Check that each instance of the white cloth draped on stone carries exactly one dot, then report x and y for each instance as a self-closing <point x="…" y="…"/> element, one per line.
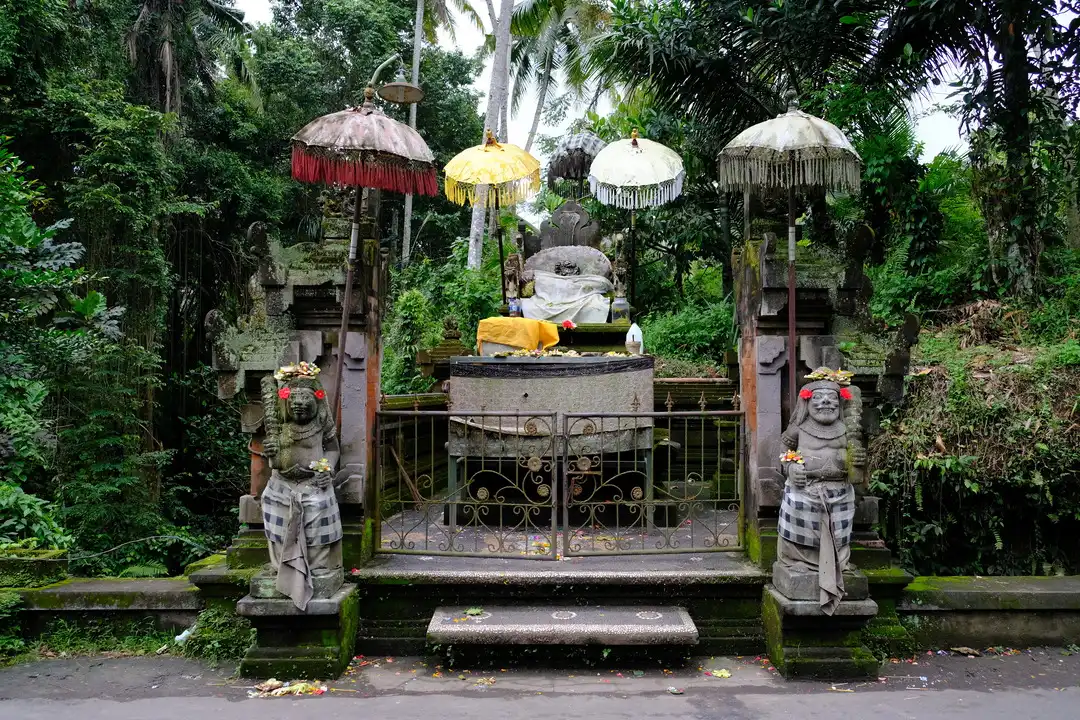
<point x="579" y="298"/>
<point x="294" y="570"/>
<point x="821" y="515"/>
<point x="297" y="517"/>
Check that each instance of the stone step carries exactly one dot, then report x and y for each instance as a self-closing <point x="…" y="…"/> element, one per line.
<point x="563" y="625"/>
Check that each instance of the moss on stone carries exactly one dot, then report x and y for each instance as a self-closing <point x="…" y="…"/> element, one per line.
<point x="760" y="545"/>
<point x="32" y="568"/>
<point x="96" y="598"/>
<point x="367" y="543"/>
<point x="816" y="652"/>
<point x="203" y="564"/>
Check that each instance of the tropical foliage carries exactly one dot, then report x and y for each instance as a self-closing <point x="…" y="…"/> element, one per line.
<point x="143" y="138"/>
<point x="146" y="137"/>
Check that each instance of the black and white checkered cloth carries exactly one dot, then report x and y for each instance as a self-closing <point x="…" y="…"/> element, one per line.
<point x="802" y="513"/>
<point x="322" y="518"/>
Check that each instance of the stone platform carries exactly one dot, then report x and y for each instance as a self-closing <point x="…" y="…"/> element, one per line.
<point x="805" y="642"/>
<point x="563" y="625"/>
<point x="720" y="592"/>
<point x="169" y="603"/>
<point x="313" y="644"/>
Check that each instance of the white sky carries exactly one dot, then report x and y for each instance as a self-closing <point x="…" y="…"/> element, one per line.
<point x="937" y="131"/>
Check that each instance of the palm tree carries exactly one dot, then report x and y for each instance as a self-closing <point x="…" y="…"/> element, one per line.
<point x="171" y="41"/>
<point x="430" y="16"/>
<point x="728" y="63"/>
<point x="497" y="98"/>
<point x="1005" y="50"/>
<point x="549" y="41"/>
<point x="552" y="40"/>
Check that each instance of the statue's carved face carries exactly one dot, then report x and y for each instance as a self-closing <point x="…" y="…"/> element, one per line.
<point x="825" y="406"/>
<point x="302" y="405"/>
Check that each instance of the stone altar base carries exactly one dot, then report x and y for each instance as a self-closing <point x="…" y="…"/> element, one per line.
<point x="315" y="644"/>
<point x="804" y="642"/>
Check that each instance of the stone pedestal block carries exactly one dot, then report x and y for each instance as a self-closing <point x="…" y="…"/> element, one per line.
<point x="314" y="644"/>
<point x="264" y="585"/>
<point x="796" y="585"/>
<point x="250" y="510"/>
<point x="248" y="549"/>
<point x="802" y="641"/>
<point x="867" y="513"/>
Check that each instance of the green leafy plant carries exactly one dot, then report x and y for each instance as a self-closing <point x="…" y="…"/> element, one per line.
<point x="11" y="642"/>
<point x="28" y="520"/>
<point x="979" y="464"/>
<point x="699" y="333"/>
<point x="135" y="637"/>
<point x="220" y="636"/>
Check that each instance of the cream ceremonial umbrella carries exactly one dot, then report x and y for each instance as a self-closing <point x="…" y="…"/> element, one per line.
<point x="635" y="174"/>
<point x="510" y="173"/>
<point x="793" y="150"/>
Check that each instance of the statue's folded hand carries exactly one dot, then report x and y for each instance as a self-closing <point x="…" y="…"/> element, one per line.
<point x="797" y="475"/>
<point x="322" y="480"/>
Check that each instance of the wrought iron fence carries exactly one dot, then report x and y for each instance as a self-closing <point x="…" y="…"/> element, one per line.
<point x="540" y="486"/>
<point x="472" y="483"/>
<point x="660" y="482"/>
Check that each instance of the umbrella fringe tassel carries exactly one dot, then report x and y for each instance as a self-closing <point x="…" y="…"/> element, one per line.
<point x="637" y="197"/>
<point x="377" y="173"/>
<point x="509" y="193"/>
<point x="838" y="171"/>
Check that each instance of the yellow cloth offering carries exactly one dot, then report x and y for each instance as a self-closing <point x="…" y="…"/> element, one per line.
<point x="518" y="332"/>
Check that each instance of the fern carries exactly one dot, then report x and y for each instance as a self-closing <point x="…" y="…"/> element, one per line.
<point x="147" y="570"/>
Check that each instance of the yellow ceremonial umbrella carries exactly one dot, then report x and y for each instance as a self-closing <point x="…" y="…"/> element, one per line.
<point x="510" y="173"/>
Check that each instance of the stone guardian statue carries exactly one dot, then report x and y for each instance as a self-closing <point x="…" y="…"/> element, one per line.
<point x="299" y="505"/>
<point x="824" y="462"/>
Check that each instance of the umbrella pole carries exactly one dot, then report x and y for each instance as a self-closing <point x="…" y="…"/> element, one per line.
<point x="502" y="255"/>
<point x="631" y="260"/>
<point x="345" y="308"/>
<point x="792" y="391"/>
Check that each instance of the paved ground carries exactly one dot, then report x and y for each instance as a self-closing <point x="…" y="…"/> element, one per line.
<point x="1032" y="684"/>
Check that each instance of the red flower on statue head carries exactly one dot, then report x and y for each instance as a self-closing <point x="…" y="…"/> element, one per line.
<point x="806" y="393"/>
<point x="320" y="394"/>
<point x="845" y="393"/>
<point x="284" y="393"/>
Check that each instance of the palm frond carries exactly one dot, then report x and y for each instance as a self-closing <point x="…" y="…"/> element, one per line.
<point x="228" y="19"/>
<point x="131" y="39"/>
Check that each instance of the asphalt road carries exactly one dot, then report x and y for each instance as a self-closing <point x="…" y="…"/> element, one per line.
<point x="1032" y="684"/>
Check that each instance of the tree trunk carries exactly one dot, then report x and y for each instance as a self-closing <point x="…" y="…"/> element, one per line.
<point x="545" y="83"/>
<point x="418" y="43"/>
<point x="497" y="92"/>
<point x="1019" y="198"/>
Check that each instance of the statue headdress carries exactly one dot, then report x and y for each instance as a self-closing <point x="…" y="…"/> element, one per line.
<point x="278" y="388"/>
<point x="821" y="379"/>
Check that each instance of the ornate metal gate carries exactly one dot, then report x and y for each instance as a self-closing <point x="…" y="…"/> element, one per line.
<point x="541" y="487"/>
<point x="660" y="482"/>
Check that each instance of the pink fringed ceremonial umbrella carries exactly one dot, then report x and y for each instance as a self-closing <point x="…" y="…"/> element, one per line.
<point x="363" y="148"/>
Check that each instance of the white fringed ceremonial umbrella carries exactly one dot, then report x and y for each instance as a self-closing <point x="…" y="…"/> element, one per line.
<point x="793" y="150"/>
<point x="635" y="174"/>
